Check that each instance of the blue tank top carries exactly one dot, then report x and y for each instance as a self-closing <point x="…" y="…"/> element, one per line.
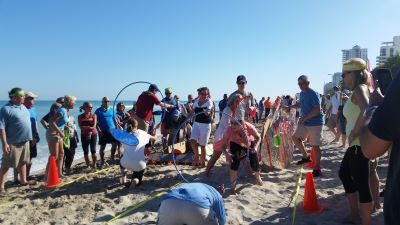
<point x="64" y="118"/>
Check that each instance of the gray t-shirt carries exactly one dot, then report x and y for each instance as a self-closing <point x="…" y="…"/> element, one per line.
<point x="240" y="113"/>
<point x="15" y="120"/>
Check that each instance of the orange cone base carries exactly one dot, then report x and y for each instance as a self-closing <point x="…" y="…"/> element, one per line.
<point x="52" y="186"/>
<point x="319" y="210"/>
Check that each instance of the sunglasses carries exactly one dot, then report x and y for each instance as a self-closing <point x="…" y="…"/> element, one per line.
<point x="107" y="101"/>
<point x="300" y="84"/>
<point x="167" y="93"/>
<point x="344" y="74"/>
<point x="241" y="83"/>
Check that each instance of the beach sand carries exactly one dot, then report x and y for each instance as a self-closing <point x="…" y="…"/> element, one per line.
<point x="96" y="198"/>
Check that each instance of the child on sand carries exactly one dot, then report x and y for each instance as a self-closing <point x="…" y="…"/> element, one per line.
<point x="222" y="127"/>
<point x="235" y="139"/>
<point x="133" y="157"/>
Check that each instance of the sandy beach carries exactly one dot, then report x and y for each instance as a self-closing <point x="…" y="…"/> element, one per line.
<point x="89" y="197"/>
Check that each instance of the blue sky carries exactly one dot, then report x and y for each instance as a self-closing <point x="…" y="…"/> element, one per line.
<point x="93" y="48"/>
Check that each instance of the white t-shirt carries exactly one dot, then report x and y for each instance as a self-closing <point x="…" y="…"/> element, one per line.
<point x="335" y="104"/>
<point x="223" y="124"/>
<point x="133" y="157"/>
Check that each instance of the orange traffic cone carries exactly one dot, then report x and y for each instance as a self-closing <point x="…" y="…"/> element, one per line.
<point x="312" y="157"/>
<point x="52" y="179"/>
<point x="310" y="203"/>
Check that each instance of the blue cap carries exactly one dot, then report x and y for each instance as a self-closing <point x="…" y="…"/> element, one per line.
<point x="153" y="87"/>
<point x="241" y="78"/>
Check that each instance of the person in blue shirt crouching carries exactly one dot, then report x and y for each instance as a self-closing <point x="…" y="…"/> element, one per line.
<point x="192" y="204"/>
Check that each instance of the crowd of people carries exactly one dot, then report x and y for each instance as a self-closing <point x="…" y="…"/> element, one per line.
<point x="348" y="111"/>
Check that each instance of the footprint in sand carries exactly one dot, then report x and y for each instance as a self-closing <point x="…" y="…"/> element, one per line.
<point x="243" y="201"/>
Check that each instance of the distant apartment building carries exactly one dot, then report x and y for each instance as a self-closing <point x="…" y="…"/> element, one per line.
<point x="336" y="78"/>
<point x="355" y="52"/>
<point x="388" y="49"/>
<point x="328" y="87"/>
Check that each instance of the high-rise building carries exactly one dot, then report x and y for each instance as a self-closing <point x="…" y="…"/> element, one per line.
<point x="328" y="87"/>
<point x="355" y="52"/>
<point x="336" y="78"/>
<point x="388" y="49"/>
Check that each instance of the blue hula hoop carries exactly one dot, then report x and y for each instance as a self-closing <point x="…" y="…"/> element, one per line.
<point x="189" y="119"/>
<point x="123" y="136"/>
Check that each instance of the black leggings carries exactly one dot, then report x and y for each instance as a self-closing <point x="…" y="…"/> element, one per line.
<point x="354" y="174"/>
<point x="238" y="153"/>
<point x="86" y="143"/>
<point x="136" y="174"/>
<point x="69" y="154"/>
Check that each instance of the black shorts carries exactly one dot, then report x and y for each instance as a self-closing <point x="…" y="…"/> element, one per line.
<point x="106" y="138"/>
<point x="33" y="151"/>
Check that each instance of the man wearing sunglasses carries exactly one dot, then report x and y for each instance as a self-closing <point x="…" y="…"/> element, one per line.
<point x="310" y="123"/>
<point x="243" y="108"/>
<point x="105" y="121"/>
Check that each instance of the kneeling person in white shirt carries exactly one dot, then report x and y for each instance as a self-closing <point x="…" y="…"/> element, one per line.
<point x="133" y="157"/>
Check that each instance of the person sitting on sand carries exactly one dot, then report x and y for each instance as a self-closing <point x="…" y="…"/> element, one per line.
<point x="88" y="122"/>
<point x="222" y="126"/>
<point x="133" y="157"/>
<point x="194" y="204"/>
<point x="234" y="139"/>
<point x="354" y="169"/>
<point x="201" y="129"/>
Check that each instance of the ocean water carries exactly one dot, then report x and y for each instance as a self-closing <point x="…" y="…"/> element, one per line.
<point x="42" y="108"/>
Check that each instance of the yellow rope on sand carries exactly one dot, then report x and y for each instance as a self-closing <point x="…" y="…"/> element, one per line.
<point x="297" y="195"/>
<point x="141" y="203"/>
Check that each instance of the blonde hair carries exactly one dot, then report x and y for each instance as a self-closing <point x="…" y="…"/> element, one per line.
<point x="233" y="99"/>
<point x="68" y="99"/>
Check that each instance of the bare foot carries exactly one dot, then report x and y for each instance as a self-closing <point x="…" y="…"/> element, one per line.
<point x="234" y="192"/>
<point x="377" y="206"/>
<point x="123" y="180"/>
<point x="134" y="183"/>
<point x="259" y="181"/>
